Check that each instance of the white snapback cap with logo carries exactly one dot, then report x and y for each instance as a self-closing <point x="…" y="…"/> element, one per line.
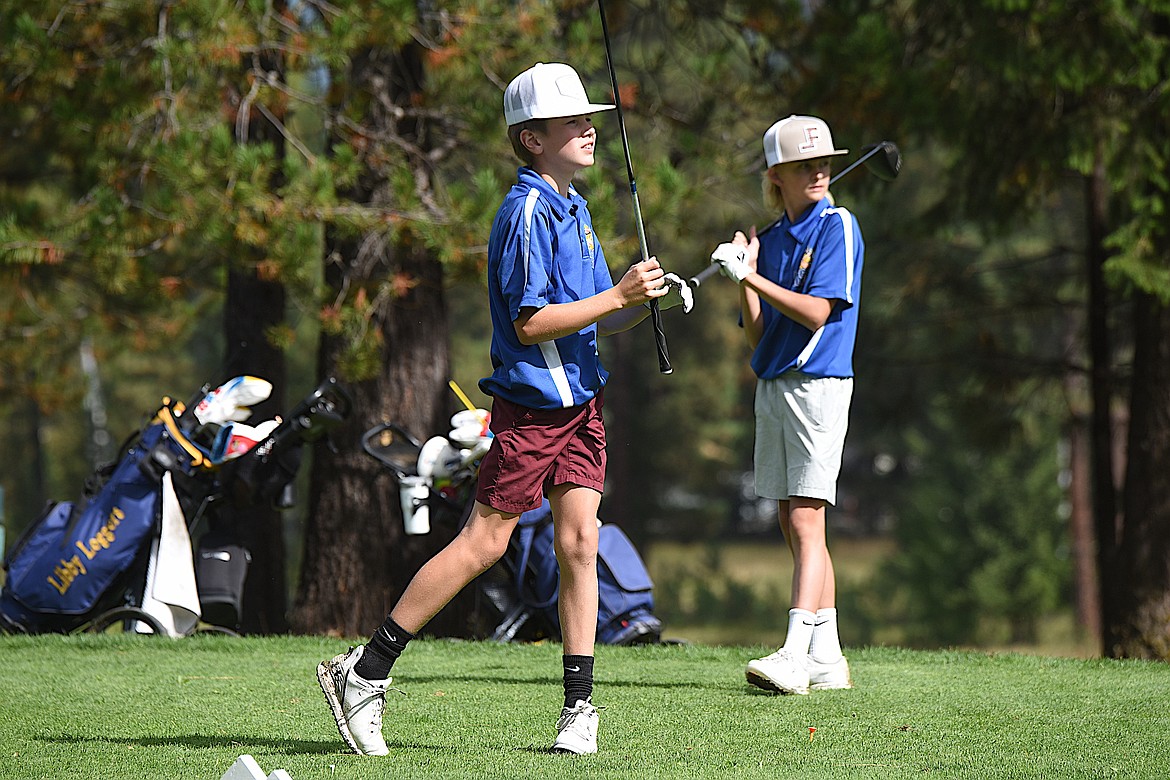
<point x="547" y="91"/>
<point x="798" y="138"/>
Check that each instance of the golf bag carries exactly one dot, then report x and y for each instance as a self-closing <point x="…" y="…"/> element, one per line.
<point x="625" y="601"/>
<point x="437" y="479"/>
<point x="123" y="552"/>
<point x="81" y="560"/>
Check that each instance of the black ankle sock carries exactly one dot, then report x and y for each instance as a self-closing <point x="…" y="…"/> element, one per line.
<point x="578" y="678"/>
<point x="382" y="651"/>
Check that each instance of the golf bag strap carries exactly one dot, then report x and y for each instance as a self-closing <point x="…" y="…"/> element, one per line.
<point x="167" y="418"/>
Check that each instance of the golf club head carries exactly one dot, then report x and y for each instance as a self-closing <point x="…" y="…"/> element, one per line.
<point x="886" y="160"/>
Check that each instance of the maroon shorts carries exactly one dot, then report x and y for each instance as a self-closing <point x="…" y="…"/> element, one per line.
<point x="536" y="449"/>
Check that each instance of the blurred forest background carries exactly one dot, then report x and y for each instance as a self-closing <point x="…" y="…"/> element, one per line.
<point x="192" y="190"/>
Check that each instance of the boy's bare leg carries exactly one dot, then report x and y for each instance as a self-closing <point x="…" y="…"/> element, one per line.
<point x="481" y="543"/>
<point x="812" y="570"/>
<point x="575" y="528"/>
<point x="575" y="539"/>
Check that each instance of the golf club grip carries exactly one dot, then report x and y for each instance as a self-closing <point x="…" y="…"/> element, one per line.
<point x="660" y="338"/>
<point x="704" y="275"/>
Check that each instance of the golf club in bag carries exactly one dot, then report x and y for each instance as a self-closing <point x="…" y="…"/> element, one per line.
<point x="883" y="160"/>
<point x="436" y="482"/>
<point x="122" y="552"/>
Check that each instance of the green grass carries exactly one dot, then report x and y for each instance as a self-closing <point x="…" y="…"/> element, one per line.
<point x="113" y="706"/>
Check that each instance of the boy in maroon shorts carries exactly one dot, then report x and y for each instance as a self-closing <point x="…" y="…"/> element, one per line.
<point x="551" y="296"/>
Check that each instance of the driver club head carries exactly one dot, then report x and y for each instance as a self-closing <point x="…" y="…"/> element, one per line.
<point x="886" y="160"/>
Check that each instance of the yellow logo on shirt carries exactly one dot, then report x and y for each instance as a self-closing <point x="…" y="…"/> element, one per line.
<point x="589" y="241"/>
<point x="802" y="271"/>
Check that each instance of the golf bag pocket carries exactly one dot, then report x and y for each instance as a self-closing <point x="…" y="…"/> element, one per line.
<point x="624" y="592"/>
<point x="221" y="568"/>
<point x="538" y="577"/>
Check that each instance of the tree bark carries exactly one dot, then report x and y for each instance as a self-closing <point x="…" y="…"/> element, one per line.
<point x="358" y="558"/>
<point x="1106" y="521"/>
<point x="1139" y="623"/>
<point x="253" y="306"/>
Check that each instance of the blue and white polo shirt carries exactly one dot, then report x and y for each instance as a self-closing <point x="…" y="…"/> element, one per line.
<point x="543" y="250"/>
<point x="822" y="255"/>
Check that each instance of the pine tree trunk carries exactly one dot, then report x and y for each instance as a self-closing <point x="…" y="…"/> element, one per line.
<point x="1106" y="521"/>
<point x="357" y="556"/>
<point x="251" y="308"/>
<point x="1139" y="624"/>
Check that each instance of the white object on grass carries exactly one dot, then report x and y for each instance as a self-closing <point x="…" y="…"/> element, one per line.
<point x="246" y="768"/>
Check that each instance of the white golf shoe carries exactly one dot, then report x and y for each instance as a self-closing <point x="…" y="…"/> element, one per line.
<point x="357" y="703"/>
<point x="783" y="671"/>
<point x="831" y="676"/>
<point x="577" y="729"/>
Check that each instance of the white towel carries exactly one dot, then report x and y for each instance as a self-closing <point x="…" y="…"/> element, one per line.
<point x="171" y="596"/>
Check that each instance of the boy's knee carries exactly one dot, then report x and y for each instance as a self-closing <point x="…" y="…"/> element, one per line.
<point x="577" y="547"/>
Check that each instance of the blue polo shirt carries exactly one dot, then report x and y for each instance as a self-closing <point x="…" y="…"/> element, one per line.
<point x="820" y="254"/>
<point x="543" y="250"/>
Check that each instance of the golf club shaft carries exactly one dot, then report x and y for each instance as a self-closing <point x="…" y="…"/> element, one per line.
<point x="711" y="270"/>
<point x="655" y="315"/>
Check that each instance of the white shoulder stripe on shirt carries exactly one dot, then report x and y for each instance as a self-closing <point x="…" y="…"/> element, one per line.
<point x="548" y="349"/>
<point x="850" y="250"/>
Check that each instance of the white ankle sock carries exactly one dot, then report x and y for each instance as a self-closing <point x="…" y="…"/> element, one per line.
<point x="825" y="645"/>
<point x="800" y="630"/>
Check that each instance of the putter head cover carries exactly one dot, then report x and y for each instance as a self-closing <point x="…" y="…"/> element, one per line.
<point x="547" y="91"/>
<point x="438" y="459"/>
<point x="236" y="438"/>
<point x="680" y="294"/>
<point x="732" y="260"/>
<point x="230" y="401"/>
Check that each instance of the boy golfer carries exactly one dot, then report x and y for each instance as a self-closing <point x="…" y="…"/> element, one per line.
<point x="551" y="296"/>
<point x="800" y="290"/>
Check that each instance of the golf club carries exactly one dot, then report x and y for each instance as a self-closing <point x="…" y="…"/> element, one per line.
<point x="655" y="315"/>
<point x="882" y="159"/>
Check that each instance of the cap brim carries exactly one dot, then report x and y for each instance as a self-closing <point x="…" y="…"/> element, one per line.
<point x="579" y="110"/>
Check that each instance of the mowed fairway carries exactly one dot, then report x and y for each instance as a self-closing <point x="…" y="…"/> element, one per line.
<point x="116" y="707"/>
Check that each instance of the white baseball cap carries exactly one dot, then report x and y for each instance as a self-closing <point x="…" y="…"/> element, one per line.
<point x="798" y="138"/>
<point x="547" y="91"/>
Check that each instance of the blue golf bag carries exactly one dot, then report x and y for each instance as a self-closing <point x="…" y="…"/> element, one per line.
<point x="87" y="564"/>
<point x="87" y="559"/>
<point x="625" y="600"/>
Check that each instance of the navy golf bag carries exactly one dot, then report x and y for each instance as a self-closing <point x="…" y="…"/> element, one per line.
<point x="123" y="550"/>
<point x="522" y="588"/>
<point x="625" y="600"/>
<point x="85" y="560"/>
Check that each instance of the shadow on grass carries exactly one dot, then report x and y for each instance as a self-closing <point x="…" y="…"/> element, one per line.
<point x="432" y="679"/>
<point x="203" y="742"/>
<point x="291" y="747"/>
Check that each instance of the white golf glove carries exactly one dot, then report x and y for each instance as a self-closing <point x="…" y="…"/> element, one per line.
<point x="732" y="259"/>
<point x="680" y="294"/>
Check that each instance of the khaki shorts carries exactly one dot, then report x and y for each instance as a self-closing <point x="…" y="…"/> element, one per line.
<point x="800" y="433"/>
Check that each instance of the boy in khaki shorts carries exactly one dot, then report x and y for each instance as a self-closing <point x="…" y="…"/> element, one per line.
<point x="551" y="295"/>
<point x="800" y="291"/>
